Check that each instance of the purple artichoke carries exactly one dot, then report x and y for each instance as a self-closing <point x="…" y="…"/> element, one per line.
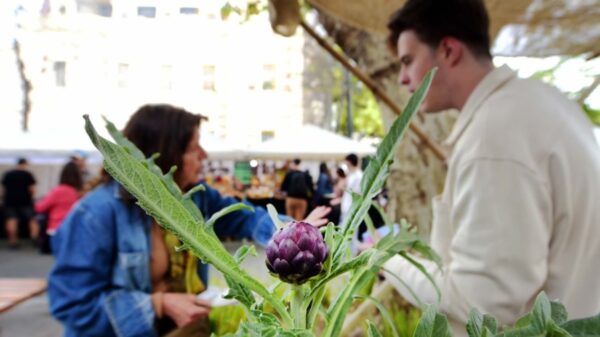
<point x="296" y="253"/>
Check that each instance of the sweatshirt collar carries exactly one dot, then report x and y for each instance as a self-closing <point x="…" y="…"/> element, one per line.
<point x="490" y="83"/>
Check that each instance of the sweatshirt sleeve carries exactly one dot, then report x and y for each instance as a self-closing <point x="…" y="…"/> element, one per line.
<point x="501" y="217"/>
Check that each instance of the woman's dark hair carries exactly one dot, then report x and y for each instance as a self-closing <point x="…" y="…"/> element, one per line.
<point x="432" y="20"/>
<point x="164" y="129"/>
<point x="324" y="169"/>
<point x="340" y="172"/>
<point x="71" y="175"/>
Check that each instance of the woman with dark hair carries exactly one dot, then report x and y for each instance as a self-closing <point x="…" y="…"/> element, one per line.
<point x="117" y="272"/>
<point x="324" y="185"/>
<point x="59" y="201"/>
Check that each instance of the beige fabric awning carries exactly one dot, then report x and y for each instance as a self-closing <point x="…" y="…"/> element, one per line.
<point x="520" y="27"/>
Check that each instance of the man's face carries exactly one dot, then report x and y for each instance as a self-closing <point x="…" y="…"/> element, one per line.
<point x="416" y="59"/>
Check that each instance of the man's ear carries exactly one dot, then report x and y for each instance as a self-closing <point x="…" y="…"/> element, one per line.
<point x="451" y="51"/>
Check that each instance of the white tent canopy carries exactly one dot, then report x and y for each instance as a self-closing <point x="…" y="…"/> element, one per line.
<point x="306" y="142"/>
<point x="309" y="142"/>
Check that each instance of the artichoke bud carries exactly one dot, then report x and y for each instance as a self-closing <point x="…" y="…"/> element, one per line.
<point x="296" y="253"/>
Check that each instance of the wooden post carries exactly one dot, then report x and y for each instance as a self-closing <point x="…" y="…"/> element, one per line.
<point x="437" y="150"/>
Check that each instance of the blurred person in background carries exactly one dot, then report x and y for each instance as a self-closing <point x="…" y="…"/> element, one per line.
<point x="338" y="191"/>
<point x="19" y="190"/>
<point x="79" y="158"/>
<point x="353" y="179"/>
<point x="116" y="271"/>
<point x="324" y="185"/>
<point x="58" y="202"/>
<point x="298" y="190"/>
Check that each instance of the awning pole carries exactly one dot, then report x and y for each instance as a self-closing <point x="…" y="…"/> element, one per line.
<point x="437" y="150"/>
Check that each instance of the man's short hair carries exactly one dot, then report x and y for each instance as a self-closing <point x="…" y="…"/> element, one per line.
<point x="352" y="159"/>
<point x="297" y="161"/>
<point x="21" y="161"/>
<point x="433" y="20"/>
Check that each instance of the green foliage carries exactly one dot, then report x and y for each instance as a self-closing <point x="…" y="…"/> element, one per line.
<point x="294" y="313"/>
<point x="372" y="330"/>
<point x="366" y="114"/>
<point x="545" y="319"/>
<point x="549" y="75"/>
<point x="432" y="324"/>
<point x="253" y="7"/>
<point x="593" y="114"/>
<point x="155" y="194"/>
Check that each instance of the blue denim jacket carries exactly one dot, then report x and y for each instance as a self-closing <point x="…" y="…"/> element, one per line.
<point x="100" y="283"/>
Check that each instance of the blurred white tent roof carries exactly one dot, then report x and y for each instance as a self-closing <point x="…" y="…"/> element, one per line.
<point x="309" y="142"/>
<point x="306" y="142"/>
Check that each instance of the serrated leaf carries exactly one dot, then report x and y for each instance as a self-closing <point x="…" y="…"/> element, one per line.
<point x="432" y="324"/>
<point x="490" y="324"/>
<point x="169" y="211"/>
<point x="541" y="314"/>
<point x="559" y="312"/>
<point x="475" y="323"/>
<point x="378" y="169"/>
<point x="586" y="327"/>
<point x="239" y="292"/>
<point x="118" y="137"/>
<point x="480" y="325"/>
<point x="265" y="318"/>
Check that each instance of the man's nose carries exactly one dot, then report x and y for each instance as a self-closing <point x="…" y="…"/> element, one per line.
<point x="403" y="78"/>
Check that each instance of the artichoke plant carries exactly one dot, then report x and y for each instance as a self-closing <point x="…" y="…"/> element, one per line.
<point x="296" y="253"/>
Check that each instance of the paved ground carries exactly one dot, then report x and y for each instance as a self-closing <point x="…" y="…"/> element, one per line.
<point x="31" y="318"/>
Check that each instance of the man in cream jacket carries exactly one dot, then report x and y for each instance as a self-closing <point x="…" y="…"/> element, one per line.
<point x="520" y="211"/>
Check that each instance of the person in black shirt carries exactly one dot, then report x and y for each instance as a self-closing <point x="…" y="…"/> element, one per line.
<point x="298" y="188"/>
<point x="19" y="189"/>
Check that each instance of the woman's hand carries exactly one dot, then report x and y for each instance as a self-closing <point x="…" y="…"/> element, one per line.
<point x="318" y="216"/>
<point x="184" y="309"/>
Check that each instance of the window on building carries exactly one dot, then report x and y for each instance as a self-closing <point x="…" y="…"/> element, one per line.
<point x="269" y="75"/>
<point x="123" y="75"/>
<point x="146" y="11"/>
<point x="267" y="135"/>
<point x="188" y="11"/>
<point x="104" y="10"/>
<point x="208" y="77"/>
<point x="60" y="70"/>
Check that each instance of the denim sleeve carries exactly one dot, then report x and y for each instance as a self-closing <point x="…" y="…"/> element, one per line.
<point x="256" y="226"/>
<point x="80" y="290"/>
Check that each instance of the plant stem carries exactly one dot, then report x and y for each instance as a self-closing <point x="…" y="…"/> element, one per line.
<point x="298" y="308"/>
